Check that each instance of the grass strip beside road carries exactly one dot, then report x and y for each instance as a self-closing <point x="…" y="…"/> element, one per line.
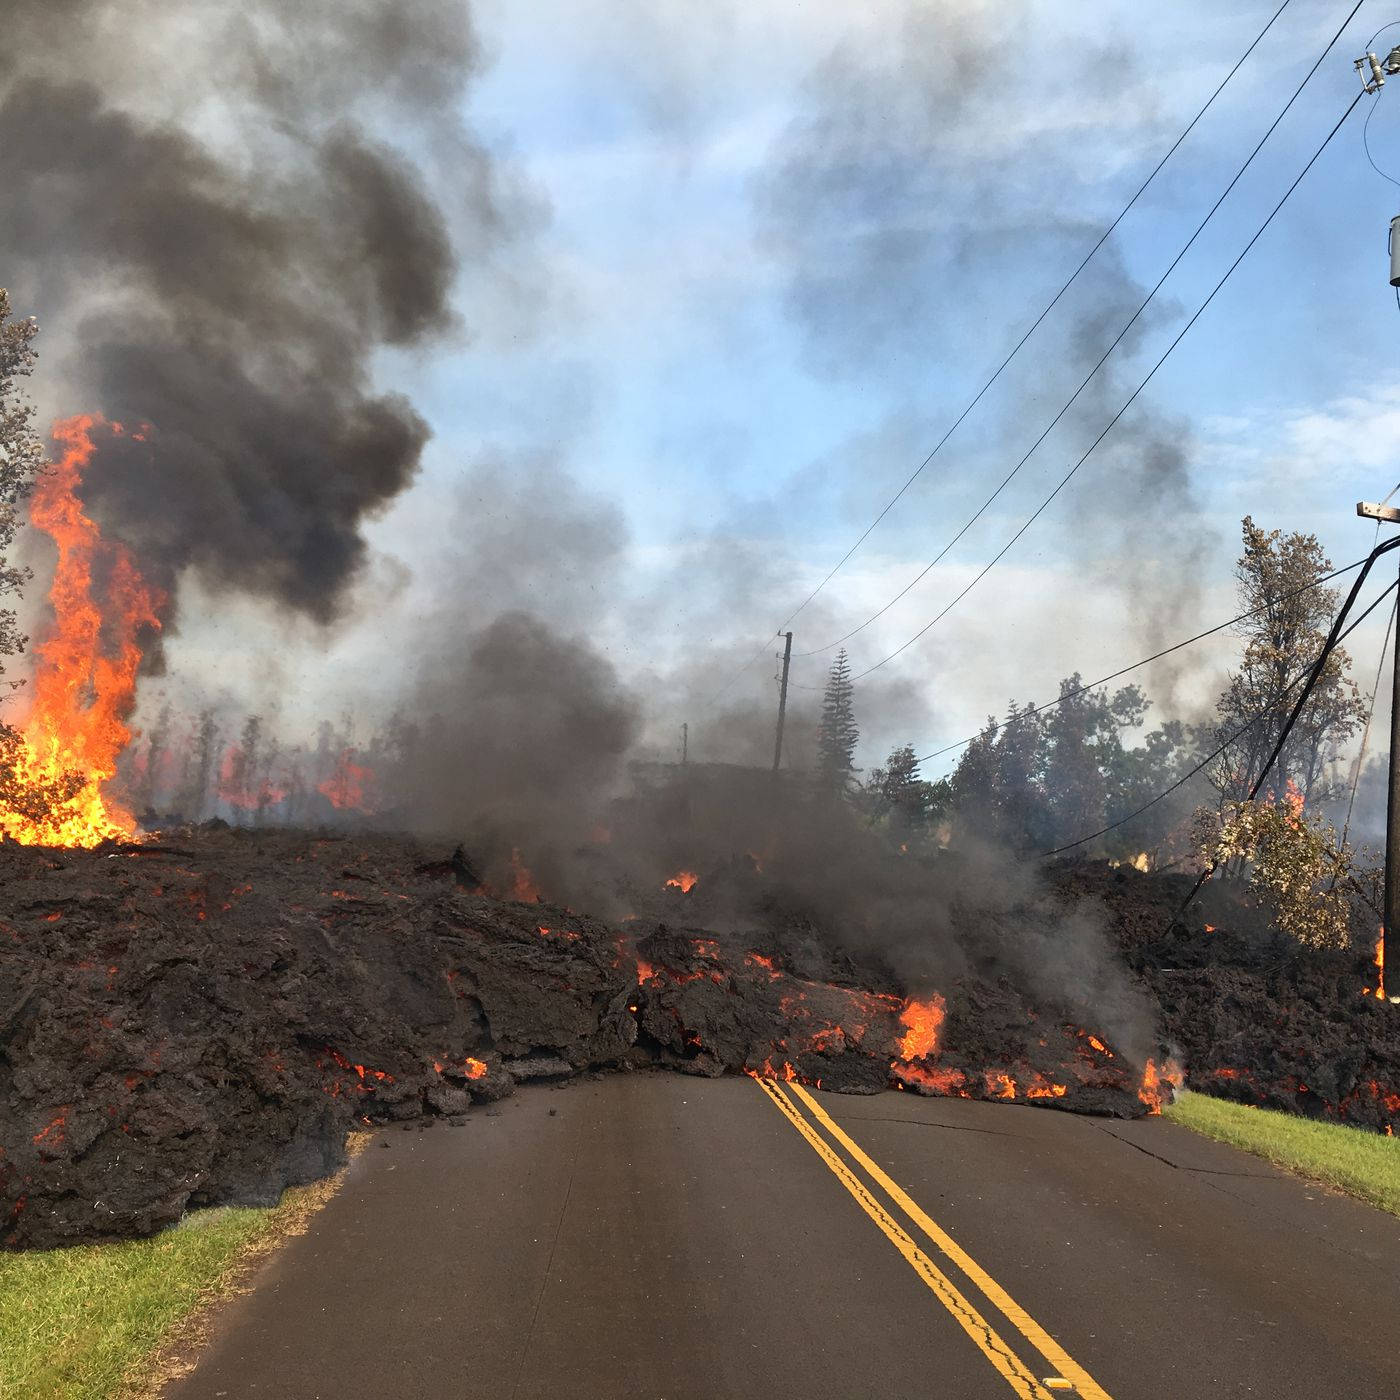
<point x="1360" y="1163"/>
<point x="113" y="1321"/>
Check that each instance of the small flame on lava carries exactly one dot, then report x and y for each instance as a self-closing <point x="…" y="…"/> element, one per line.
<point x="1159" y="1085"/>
<point x="85" y="677"/>
<point x="522" y="883"/>
<point x="1380" y="968"/>
<point x="683" y="880"/>
<point x="923" y="1020"/>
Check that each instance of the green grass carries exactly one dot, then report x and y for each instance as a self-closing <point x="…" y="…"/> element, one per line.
<point x="97" y="1321"/>
<point x="1361" y="1163"/>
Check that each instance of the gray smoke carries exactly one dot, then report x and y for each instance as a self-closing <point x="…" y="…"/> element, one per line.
<point x="197" y="201"/>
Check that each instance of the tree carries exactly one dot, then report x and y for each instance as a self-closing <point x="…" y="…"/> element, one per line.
<point x="838" y="732"/>
<point x="1283" y="637"/>
<point x="1299" y="867"/>
<point x="899" y="794"/>
<point x="997" y="789"/>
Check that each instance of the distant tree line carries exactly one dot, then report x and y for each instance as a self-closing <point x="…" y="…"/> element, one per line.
<point x="1039" y="778"/>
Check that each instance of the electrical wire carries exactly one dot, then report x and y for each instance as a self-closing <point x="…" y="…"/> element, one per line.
<point x="1117" y="340"/>
<point x="1214" y="754"/>
<point x="1366" y="141"/>
<point x="1147" y="660"/>
<point x="1015" y="350"/>
<point x="1065" y="480"/>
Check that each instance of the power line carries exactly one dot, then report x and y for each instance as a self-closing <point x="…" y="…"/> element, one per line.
<point x="1211" y="757"/>
<point x="1117" y="340"/>
<point x="1064" y="481"/>
<point x="1147" y="660"/>
<point x="1015" y="350"/>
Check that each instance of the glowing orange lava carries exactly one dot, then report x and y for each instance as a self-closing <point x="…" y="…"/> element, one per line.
<point x="84" y="682"/>
<point x="923" y="1021"/>
<point x="683" y="880"/>
<point x="938" y="1081"/>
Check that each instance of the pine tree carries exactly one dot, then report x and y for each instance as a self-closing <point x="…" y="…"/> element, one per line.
<point x="838" y="733"/>
<point x="899" y="793"/>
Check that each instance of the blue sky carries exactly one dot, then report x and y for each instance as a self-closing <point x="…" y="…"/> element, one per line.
<point x="773" y="248"/>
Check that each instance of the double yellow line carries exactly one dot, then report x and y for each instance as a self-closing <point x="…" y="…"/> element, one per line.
<point x="1069" y="1379"/>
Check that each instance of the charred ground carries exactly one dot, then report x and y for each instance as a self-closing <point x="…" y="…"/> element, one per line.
<point x="201" y="1019"/>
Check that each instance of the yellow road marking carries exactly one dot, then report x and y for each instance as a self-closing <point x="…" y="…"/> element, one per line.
<point x="1013" y="1370"/>
<point x="1039" y="1338"/>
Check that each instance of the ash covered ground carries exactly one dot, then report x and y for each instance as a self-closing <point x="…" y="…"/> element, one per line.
<point x="202" y="1019"/>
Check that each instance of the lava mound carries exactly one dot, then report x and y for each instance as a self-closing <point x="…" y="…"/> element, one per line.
<point x="202" y="1020"/>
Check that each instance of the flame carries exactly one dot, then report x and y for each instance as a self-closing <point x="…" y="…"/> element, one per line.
<point x="522" y="883"/>
<point x="787" y="1073"/>
<point x="923" y="1021"/>
<point x="683" y="880"/>
<point x="476" y="1069"/>
<point x="345" y="788"/>
<point x="1379" y="993"/>
<point x="999" y="1084"/>
<point x="1159" y="1085"/>
<point x="85" y="675"/>
<point x="236" y="784"/>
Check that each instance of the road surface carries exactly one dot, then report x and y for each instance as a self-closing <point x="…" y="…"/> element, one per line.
<point x="682" y="1239"/>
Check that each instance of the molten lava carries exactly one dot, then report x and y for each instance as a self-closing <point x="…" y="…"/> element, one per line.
<point x="84" y="683"/>
<point x="922" y="1021"/>
<point x="683" y="880"/>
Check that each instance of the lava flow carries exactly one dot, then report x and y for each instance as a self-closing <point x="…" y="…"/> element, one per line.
<point x="84" y="682"/>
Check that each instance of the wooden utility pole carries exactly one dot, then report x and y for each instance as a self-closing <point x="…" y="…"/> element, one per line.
<point x="782" y="704"/>
<point x="685" y="743"/>
<point x="1392" y="806"/>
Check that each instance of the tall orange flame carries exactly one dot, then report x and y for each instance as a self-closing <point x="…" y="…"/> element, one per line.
<point x="84" y="682"/>
<point x="923" y="1020"/>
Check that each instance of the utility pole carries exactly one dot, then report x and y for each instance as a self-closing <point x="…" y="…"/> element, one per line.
<point x="685" y="743"/>
<point x="782" y="704"/>
<point x="1391" y="918"/>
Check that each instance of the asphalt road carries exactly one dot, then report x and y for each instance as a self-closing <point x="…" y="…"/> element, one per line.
<point x="683" y="1239"/>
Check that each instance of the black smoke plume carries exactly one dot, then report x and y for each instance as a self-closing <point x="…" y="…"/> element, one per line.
<point x="226" y="265"/>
